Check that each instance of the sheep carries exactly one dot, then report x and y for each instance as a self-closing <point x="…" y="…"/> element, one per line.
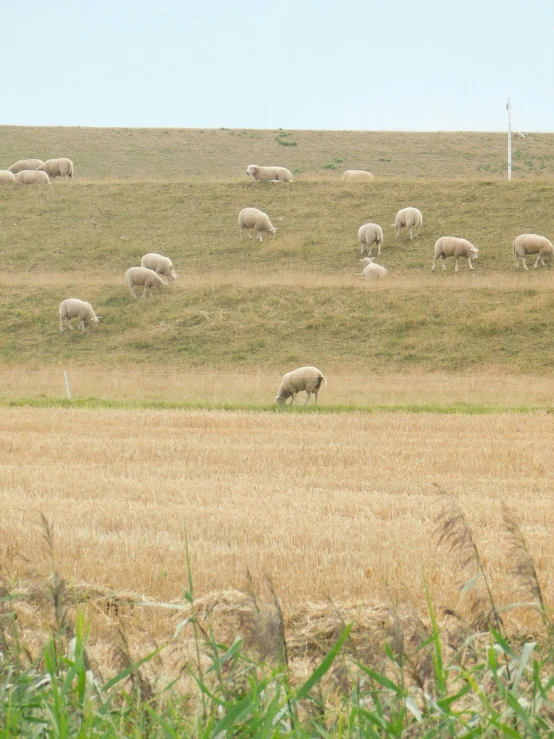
<point x="356" y="175"/>
<point x="75" y="308"/>
<point x="31" y="177"/>
<point x="6" y="176"/>
<point x="411" y="218"/>
<point x="450" y="246"/>
<point x="25" y="164"/>
<point x="143" y="276"/>
<point x="161" y="265"/>
<point x="532" y="244"/>
<point x="308" y="379"/>
<point x="372" y="271"/>
<point x="269" y="174"/>
<point x="369" y="234"/>
<point x="256" y="220"/>
<point x="57" y="167"/>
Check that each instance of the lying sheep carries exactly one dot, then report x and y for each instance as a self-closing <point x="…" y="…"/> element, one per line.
<point x="25" y="164"/>
<point x="308" y="379"/>
<point x="450" y="246"/>
<point x="143" y="276"/>
<point x="161" y="265"/>
<point x="32" y="177"/>
<point x="371" y="270"/>
<point x="356" y="175"/>
<point x="269" y="174"/>
<point x="75" y="308"/>
<point x="369" y="234"/>
<point x="6" y="176"/>
<point x="57" y="167"/>
<point x="410" y="218"/>
<point x="252" y="219"/>
<point x="532" y="244"/>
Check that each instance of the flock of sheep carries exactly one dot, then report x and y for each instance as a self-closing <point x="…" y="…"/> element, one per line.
<point x="36" y="172"/>
<point x="155" y="267"/>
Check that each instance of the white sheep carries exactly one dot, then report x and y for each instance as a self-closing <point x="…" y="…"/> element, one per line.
<point x="371" y="270"/>
<point x="356" y="175"/>
<point x="269" y="174"/>
<point x="411" y="218"/>
<point x="451" y="246"/>
<point x="161" y="265"/>
<point x="252" y="219"/>
<point x="75" y="308"/>
<point x="6" y="176"/>
<point x="307" y="379"/>
<point x="369" y="234"/>
<point x="532" y="244"/>
<point x="32" y="177"/>
<point x="143" y="276"/>
<point x="57" y="167"/>
<point x="22" y="164"/>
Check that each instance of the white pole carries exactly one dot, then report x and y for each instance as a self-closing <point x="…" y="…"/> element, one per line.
<point x="509" y="109"/>
<point x="66" y="380"/>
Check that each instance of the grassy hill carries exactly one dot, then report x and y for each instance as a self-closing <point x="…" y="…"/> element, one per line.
<point x="292" y="300"/>
<point x="187" y="154"/>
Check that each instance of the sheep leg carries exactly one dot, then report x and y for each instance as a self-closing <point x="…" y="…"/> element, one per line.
<point x="144" y="292"/>
<point x="61" y="324"/>
<point x="293" y="399"/>
<point x="81" y="325"/>
<point x="443" y="260"/>
<point x="69" y="324"/>
<point x="315" y="395"/>
<point x="308" y="394"/>
<point x="259" y="235"/>
<point x="378" y="249"/>
<point x="470" y="262"/>
<point x="537" y="261"/>
<point x="411" y="234"/>
<point x="523" y="259"/>
<point x="133" y="293"/>
<point x="434" y="264"/>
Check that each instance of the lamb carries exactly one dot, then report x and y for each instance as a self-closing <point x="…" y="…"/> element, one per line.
<point x="6" y="176"/>
<point x="25" y="164"/>
<point x="143" y="276"/>
<point x="75" y="308"/>
<point x="411" y="218"/>
<point x="32" y="177"/>
<point x="356" y="175"/>
<point x="371" y="270"/>
<point x="450" y="246"/>
<point x="308" y="379"/>
<point x="269" y="174"/>
<point x="532" y="244"/>
<point x="57" y="167"/>
<point x="161" y="265"/>
<point x="256" y="220"/>
<point x="370" y="234"/>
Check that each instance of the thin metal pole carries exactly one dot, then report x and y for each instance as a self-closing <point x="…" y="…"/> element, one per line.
<point x="509" y="109"/>
<point x="66" y="380"/>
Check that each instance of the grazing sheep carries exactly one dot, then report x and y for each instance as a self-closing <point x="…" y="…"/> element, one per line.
<point x="269" y="174"/>
<point x="450" y="246"/>
<point x="74" y="308"/>
<point x="308" y="379"/>
<point x="32" y="177"/>
<point x="25" y="164"/>
<point x="256" y="220"/>
<point x="57" y="167"/>
<point x="532" y="244"/>
<point x="372" y="271"/>
<point x="410" y="218"/>
<point x="356" y="175"/>
<point x="369" y="234"/>
<point x="6" y="176"/>
<point x="161" y="265"/>
<point x="143" y="276"/>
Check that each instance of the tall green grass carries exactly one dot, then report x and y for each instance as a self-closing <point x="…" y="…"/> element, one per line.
<point x="454" y="674"/>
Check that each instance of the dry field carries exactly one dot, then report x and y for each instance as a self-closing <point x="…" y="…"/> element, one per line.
<point x="328" y="505"/>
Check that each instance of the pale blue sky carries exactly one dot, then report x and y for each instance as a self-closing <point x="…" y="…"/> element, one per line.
<point x="350" y="64"/>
